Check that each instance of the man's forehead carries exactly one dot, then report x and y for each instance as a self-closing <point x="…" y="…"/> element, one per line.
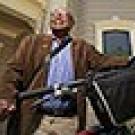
<point x="59" y="11"/>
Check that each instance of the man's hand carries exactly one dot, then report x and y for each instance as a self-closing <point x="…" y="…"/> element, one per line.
<point x="5" y="108"/>
<point x="131" y="60"/>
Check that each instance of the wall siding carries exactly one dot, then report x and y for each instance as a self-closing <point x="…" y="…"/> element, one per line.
<point x="90" y="11"/>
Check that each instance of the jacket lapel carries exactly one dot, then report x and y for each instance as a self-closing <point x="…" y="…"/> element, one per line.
<point x="75" y="55"/>
<point x="46" y="49"/>
<point x="79" y="58"/>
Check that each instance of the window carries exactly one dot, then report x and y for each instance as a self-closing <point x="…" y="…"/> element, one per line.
<point x="115" y="37"/>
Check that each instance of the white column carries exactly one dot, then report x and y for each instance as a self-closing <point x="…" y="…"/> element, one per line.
<point x="58" y="3"/>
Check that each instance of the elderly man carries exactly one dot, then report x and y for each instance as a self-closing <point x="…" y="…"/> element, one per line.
<point x="73" y="62"/>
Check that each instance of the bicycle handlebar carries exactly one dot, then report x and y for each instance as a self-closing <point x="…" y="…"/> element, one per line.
<point x="63" y="88"/>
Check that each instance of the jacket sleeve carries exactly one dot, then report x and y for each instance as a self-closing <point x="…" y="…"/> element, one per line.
<point x="98" y="61"/>
<point x="14" y="75"/>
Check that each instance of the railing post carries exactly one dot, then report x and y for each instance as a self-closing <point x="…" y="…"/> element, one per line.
<point x="81" y="108"/>
<point x="18" y="115"/>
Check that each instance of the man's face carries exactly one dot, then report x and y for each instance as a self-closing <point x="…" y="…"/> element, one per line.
<point x="59" y="19"/>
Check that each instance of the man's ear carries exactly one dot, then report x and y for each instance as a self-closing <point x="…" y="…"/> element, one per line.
<point x="71" y="20"/>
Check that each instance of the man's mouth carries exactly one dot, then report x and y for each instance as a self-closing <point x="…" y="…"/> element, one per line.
<point x="59" y="22"/>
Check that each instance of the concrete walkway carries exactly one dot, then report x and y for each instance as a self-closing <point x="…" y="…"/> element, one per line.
<point x="64" y="126"/>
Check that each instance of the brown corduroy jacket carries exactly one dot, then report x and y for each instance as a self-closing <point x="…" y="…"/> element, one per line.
<point x="32" y="50"/>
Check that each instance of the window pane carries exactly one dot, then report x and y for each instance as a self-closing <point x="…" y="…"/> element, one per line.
<point x="116" y="43"/>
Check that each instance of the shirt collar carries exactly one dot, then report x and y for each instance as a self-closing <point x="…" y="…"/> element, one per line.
<point x="55" y="38"/>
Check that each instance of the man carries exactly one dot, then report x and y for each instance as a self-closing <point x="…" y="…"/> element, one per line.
<point x="81" y="57"/>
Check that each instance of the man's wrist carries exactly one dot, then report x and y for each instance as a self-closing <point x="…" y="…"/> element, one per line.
<point x="130" y="58"/>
